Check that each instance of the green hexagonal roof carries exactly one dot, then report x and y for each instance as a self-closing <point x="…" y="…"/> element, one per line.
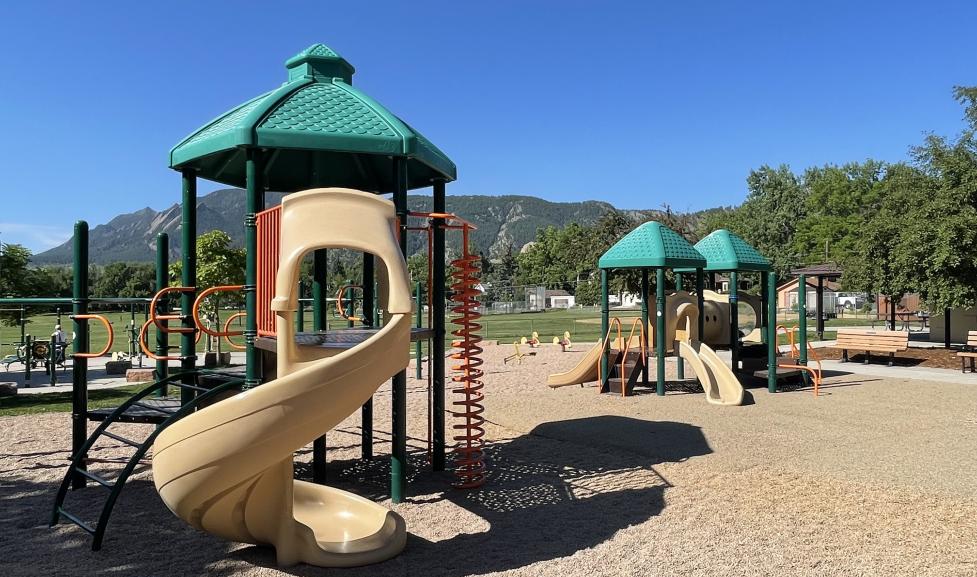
<point x="318" y="130"/>
<point x="652" y="245"/>
<point x="725" y="251"/>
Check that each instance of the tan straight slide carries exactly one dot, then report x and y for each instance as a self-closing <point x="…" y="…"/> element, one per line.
<point x="718" y="380"/>
<point x="585" y="370"/>
<point x="227" y="469"/>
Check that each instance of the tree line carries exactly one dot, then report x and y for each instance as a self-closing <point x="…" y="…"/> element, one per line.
<point x="894" y="228"/>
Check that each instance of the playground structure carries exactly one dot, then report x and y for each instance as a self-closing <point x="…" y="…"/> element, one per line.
<point x="278" y="142"/>
<point x="685" y="322"/>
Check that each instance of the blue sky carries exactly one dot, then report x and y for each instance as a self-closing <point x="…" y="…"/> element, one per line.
<point x="635" y="103"/>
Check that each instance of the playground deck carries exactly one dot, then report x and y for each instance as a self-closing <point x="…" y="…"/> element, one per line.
<point x="875" y="477"/>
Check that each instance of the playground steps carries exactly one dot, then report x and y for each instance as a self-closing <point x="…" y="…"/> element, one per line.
<point x="137" y="409"/>
<point x="632" y="372"/>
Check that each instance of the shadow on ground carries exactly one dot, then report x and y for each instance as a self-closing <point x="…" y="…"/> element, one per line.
<point x="552" y="492"/>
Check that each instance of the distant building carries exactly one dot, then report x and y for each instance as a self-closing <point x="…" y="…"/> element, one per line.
<point x="787" y="293"/>
<point x="559" y="299"/>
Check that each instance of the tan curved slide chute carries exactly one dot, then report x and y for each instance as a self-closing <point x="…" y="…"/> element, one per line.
<point x="718" y="381"/>
<point x="227" y="469"/>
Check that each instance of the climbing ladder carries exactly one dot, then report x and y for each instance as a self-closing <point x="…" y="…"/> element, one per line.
<point x="162" y="412"/>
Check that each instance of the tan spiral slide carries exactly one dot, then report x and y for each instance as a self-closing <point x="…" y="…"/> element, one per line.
<point x="227" y="469"/>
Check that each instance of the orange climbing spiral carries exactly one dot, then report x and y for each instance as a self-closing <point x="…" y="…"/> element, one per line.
<point x="469" y="429"/>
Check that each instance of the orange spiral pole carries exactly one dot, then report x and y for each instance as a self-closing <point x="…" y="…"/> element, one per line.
<point x="469" y="431"/>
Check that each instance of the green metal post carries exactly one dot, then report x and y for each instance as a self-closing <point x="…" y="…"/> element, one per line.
<point x="771" y="327"/>
<point x="660" y="330"/>
<point x="188" y="347"/>
<point x="764" y="297"/>
<point x="254" y="203"/>
<point x="369" y="319"/>
<point x="350" y="307"/>
<point x="734" y="321"/>
<point x="162" y="280"/>
<point x="420" y="324"/>
<point x="23" y="323"/>
<point x="644" y="324"/>
<point x="437" y="322"/>
<point x="802" y="322"/>
<point x="605" y="323"/>
<point x="700" y="299"/>
<point x="300" y="312"/>
<point x="398" y="461"/>
<point x="679" y="361"/>
<point x="320" y="268"/>
<point x="29" y="345"/>
<point x="79" y="365"/>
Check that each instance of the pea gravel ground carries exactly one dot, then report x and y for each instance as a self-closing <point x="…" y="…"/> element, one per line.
<point x="875" y="477"/>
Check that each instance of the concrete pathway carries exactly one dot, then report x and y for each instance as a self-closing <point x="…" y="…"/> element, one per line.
<point x="97" y="378"/>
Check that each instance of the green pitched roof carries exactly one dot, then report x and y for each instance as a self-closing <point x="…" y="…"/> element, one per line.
<point x="652" y="245"/>
<point x="724" y="251"/>
<point x="318" y="130"/>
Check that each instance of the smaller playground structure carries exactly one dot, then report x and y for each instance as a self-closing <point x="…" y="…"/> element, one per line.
<point x="686" y="325"/>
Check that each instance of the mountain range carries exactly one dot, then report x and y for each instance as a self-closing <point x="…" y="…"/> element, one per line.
<point x="501" y="220"/>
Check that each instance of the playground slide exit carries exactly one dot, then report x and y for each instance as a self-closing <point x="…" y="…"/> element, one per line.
<point x="227" y="469"/>
<point x="718" y="380"/>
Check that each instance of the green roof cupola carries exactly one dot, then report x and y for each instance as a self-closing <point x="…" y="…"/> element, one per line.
<point x="321" y="63"/>
<point x="316" y="130"/>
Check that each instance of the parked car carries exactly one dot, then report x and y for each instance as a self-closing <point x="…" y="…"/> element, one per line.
<point x="852" y="301"/>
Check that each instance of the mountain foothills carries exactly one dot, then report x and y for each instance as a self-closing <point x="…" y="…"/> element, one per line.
<point x="501" y="220"/>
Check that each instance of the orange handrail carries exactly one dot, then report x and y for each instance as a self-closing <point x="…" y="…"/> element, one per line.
<point x="156" y="318"/>
<point x="614" y="321"/>
<point x="108" y="326"/>
<point x="144" y="346"/>
<point x="199" y="301"/>
<point x="795" y="354"/>
<point x="627" y="347"/>
<point x="228" y="333"/>
<point x="339" y="302"/>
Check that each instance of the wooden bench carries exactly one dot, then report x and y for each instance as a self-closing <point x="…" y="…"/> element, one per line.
<point x="970" y="352"/>
<point x="890" y="342"/>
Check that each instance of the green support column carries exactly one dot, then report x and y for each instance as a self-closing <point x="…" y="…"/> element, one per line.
<point x="189" y="279"/>
<point x="802" y="322"/>
<point x="660" y="329"/>
<point x="679" y="361"/>
<point x="320" y="268"/>
<point x="605" y="322"/>
<point x="300" y="311"/>
<point x="437" y="324"/>
<point x="819" y="308"/>
<point x="734" y="321"/>
<point x="162" y="281"/>
<point x="79" y="365"/>
<point x="700" y="287"/>
<point x="764" y="297"/>
<point x="398" y="461"/>
<point x="369" y="303"/>
<point x="771" y="327"/>
<point x="644" y="324"/>
<point x="255" y="203"/>
<point x="419" y="323"/>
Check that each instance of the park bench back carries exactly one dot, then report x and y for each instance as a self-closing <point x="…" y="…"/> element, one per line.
<point x="877" y="341"/>
<point x="972" y="338"/>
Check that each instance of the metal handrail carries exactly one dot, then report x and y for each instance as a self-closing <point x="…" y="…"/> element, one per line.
<point x="199" y="301"/>
<point x="108" y="326"/>
<point x="157" y="319"/>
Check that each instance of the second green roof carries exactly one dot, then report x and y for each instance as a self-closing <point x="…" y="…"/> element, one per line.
<point x="725" y="251"/>
<point x="652" y="245"/>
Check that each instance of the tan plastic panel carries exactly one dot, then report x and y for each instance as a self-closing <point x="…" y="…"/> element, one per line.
<point x="227" y="469"/>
